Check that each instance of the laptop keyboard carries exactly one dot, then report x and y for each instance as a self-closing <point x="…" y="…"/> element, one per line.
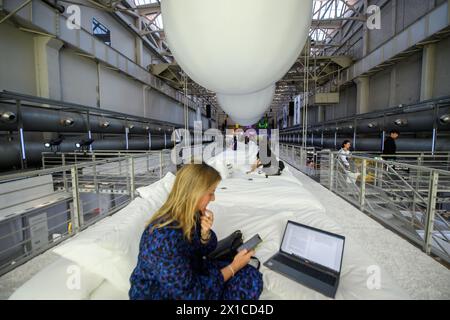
<point x="324" y="277"/>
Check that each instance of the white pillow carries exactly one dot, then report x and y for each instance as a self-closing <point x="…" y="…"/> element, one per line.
<point x="225" y="168"/>
<point x="157" y="192"/>
<point x="58" y="281"/>
<point x="110" y="247"/>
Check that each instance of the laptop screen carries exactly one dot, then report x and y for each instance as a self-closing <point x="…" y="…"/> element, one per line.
<point x="313" y="245"/>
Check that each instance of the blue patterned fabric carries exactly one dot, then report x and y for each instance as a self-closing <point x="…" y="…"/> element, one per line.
<point x="170" y="267"/>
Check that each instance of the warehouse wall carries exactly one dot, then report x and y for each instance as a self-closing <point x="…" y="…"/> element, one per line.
<point x="399" y="83"/>
<point x="442" y="72"/>
<point x="80" y="81"/>
<point x="121" y="39"/>
<point x="17" y="68"/>
<point x="120" y="93"/>
<point x="407" y="75"/>
<point x="78" y="75"/>
<point x="346" y="106"/>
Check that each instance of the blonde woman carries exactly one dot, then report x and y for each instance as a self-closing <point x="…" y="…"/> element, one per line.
<point x="172" y="261"/>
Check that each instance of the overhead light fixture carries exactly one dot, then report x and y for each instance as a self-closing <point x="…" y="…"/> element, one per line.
<point x="401" y="122"/>
<point x="67" y="122"/>
<point x="372" y="125"/>
<point x="131" y="126"/>
<point x="8" y="116"/>
<point x="105" y="124"/>
<point x="445" y="119"/>
<point x="84" y="143"/>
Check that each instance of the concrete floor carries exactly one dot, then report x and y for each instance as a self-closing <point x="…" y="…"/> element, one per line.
<point x="418" y="274"/>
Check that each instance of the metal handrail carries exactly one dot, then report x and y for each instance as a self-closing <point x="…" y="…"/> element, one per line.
<point x="389" y="166"/>
<point x="413" y="200"/>
<point x="73" y="181"/>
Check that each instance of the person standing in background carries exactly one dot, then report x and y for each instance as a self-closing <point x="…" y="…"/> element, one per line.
<point x="344" y="153"/>
<point x="390" y="147"/>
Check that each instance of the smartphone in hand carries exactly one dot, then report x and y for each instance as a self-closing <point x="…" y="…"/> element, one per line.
<point x="250" y="244"/>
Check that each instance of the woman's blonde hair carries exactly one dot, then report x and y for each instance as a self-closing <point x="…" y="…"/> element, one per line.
<point x="191" y="183"/>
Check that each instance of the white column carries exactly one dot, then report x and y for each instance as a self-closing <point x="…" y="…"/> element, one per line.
<point x="362" y="96"/>
<point x="393" y="88"/>
<point x="320" y="114"/>
<point x="46" y="55"/>
<point x="139" y="45"/>
<point x="428" y="71"/>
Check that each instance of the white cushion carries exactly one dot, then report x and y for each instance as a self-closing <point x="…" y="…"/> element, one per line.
<point x="279" y="193"/>
<point x="225" y="169"/>
<point x="61" y="280"/>
<point x="110" y="247"/>
<point x="157" y="192"/>
<point x="229" y="161"/>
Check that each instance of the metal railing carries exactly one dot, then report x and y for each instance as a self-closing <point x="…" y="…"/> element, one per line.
<point x="39" y="209"/>
<point x="55" y="159"/>
<point x="438" y="160"/>
<point x="303" y="159"/>
<point x="409" y="199"/>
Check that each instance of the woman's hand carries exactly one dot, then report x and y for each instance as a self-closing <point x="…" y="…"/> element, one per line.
<point x="206" y="222"/>
<point x="239" y="261"/>
<point x="242" y="259"/>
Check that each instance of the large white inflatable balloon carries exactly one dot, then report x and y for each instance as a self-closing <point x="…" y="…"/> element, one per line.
<point x="245" y="108"/>
<point x="236" y="46"/>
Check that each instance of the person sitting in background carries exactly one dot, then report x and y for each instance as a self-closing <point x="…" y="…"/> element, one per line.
<point x="390" y="147"/>
<point x="344" y="153"/>
<point x="172" y="261"/>
<point x="270" y="167"/>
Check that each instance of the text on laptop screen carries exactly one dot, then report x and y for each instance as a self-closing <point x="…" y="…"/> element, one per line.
<point x="314" y="246"/>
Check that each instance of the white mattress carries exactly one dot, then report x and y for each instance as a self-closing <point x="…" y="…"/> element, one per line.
<point x="259" y="206"/>
<point x="263" y="206"/>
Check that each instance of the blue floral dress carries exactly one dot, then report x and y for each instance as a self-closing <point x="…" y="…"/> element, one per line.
<point x="171" y="267"/>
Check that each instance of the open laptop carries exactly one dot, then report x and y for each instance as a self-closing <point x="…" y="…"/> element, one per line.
<point x="311" y="257"/>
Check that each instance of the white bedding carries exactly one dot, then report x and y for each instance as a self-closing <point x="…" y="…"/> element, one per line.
<point x="240" y="161"/>
<point x="266" y="208"/>
<point x="109" y="249"/>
